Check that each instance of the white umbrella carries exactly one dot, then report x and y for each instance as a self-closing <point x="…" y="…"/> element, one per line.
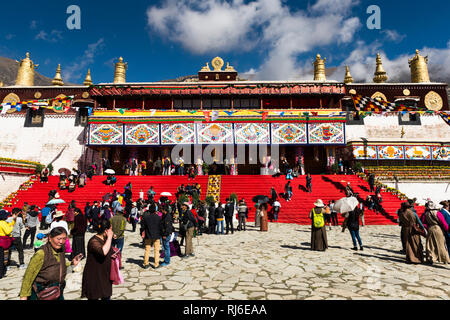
<point x="56" y="201"/>
<point x="110" y="171"/>
<point x="346" y="204"/>
<point x="166" y="194"/>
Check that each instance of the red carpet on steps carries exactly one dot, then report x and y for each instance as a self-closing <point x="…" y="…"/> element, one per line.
<point x="326" y="187"/>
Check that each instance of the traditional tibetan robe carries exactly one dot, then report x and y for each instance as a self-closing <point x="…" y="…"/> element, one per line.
<point x="413" y="243"/>
<point x="435" y="244"/>
<point x="319" y="240"/>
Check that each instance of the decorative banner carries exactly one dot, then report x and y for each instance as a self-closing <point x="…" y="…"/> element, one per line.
<point x="358" y="152"/>
<point x="179" y="133"/>
<point x="251" y="133"/>
<point x="142" y="134"/>
<point x="215" y="133"/>
<point x="106" y="134"/>
<point x="418" y="153"/>
<point x="326" y="133"/>
<point x="289" y="133"/>
<point x="390" y="153"/>
<point x="441" y="153"/>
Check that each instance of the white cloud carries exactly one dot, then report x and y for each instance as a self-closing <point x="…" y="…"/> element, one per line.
<point x="393" y="35"/>
<point x="54" y="36"/>
<point x="10" y="36"/>
<point x="33" y="24"/>
<point x="217" y="26"/>
<point x="362" y="64"/>
<point x="78" y="69"/>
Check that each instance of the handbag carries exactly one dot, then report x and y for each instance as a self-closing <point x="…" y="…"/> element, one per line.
<point x="52" y="292"/>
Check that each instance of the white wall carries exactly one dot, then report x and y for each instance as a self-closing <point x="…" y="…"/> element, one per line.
<point x="387" y="128"/>
<point x="10" y="183"/>
<point x="436" y="191"/>
<point x="42" y="144"/>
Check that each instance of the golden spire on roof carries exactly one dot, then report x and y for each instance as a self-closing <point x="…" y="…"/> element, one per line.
<point x="380" y="74"/>
<point x="1" y="84"/>
<point x="25" y="74"/>
<point x="348" y="77"/>
<point x="88" y="80"/>
<point x="120" y="72"/>
<point x="419" y="68"/>
<point x="319" y="69"/>
<point x="57" y="80"/>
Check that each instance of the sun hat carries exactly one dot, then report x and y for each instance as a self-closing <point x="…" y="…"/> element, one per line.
<point x="432" y="206"/>
<point x="319" y="203"/>
<point x="58" y="214"/>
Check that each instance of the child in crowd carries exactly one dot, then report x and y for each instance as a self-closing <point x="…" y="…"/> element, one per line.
<point x="39" y="241"/>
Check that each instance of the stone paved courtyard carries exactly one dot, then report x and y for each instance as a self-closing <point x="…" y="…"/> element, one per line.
<point x="273" y="265"/>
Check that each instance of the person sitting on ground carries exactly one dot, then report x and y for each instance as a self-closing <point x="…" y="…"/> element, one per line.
<point x="63" y="182"/>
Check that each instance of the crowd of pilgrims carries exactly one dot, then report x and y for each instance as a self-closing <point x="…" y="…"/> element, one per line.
<point x="162" y="222"/>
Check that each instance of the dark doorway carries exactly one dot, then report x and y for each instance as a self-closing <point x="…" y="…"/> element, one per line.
<point x="315" y="159"/>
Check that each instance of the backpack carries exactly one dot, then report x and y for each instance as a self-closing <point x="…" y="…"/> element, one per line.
<point x="48" y="218"/>
<point x="318" y="219"/>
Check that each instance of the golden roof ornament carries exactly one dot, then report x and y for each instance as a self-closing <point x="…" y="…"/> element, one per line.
<point x="217" y="63"/>
<point x="319" y="69"/>
<point x="348" y="77"/>
<point x="205" y="68"/>
<point x="25" y="74"/>
<point x="1" y="84"/>
<point x="380" y="74"/>
<point x="88" y="80"/>
<point x="120" y="71"/>
<point x="229" y="68"/>
<point x="419" y="68"/>
<point x="57" y="80"/>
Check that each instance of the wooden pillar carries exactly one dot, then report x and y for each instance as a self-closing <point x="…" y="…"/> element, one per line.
<point x="114" y="103"/>
<point x="143" y="103"/>
<point x="171" y="102"/>
<point x="232" y="103"/>
<point x="320" y="102"/>
<point x="290" y="101"/>
<point x="261" y="103"/>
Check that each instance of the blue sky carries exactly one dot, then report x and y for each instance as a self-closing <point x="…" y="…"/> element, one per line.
<point x="265" y="39"/>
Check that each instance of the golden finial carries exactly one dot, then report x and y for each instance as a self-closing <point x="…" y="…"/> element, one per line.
<point x="319" y="69"/>
<point x="419" y="68"/>
<point x="25" y="74"/>
<point x="205" y="68"/>
<point x="57" y="80"/>
<point x="380" y="74"/>
<point x="120" y="72"/>
<point x="1" y="84"/>
<point x="88" y="80"/>
<point x="229" y="68"/>
<point x="217" y="63"/>
<point x="348" y="77"/>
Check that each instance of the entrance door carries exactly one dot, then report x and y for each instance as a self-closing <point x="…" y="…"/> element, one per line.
<point x="315" y="159"/>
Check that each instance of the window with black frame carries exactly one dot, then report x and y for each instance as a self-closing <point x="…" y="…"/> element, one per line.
<point x="407" y="117"/>
<point x="81" y="118"/>
<point x="353" y="117"/>
<point x="34" y="117"/>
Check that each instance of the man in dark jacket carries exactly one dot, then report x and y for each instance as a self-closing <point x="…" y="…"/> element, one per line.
<point x="95" y="215"/>
<point x="211" y="219"/>
<point x="219" y="218"/>
<point x="151" y="233"/>
<point x="372" y="182"/>
<point x="229" y="210"/>
<point x="166" y="232"/>
<point x="189" y="223"/>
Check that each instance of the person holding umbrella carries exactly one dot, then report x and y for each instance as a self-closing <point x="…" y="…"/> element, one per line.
<point x="319" y="240"/>
<point x="352" y="223"/>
